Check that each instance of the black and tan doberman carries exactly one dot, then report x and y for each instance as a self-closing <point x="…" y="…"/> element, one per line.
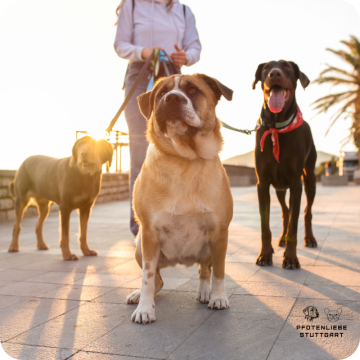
<point x="284" y="153"/>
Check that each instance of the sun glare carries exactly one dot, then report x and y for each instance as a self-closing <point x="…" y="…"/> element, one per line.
<point x="97" y="134"/>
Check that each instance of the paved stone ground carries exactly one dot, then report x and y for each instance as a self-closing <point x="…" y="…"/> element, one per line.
<point x="52" y="309"/>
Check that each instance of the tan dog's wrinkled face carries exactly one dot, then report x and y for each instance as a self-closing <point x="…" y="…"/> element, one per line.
<point x="89" y="154"/>
<point x="183" y="108"/>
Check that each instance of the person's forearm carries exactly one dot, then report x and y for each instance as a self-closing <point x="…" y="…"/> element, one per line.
<point x="128" y="51"/>
<point x="193" y="55"/>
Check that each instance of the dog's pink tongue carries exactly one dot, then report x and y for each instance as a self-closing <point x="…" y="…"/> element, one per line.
<point x="276" y="100"/>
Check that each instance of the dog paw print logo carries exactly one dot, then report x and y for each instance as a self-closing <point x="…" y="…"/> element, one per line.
<point x="333" y="315"/>
<point x="311" y="313"/>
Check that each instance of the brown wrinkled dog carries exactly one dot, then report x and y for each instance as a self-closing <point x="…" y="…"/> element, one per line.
<point x="182" y="197"/>
<point x="297" y="157"/>
<point x="72" y="183"/>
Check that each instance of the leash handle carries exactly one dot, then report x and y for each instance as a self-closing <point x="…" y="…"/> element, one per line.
<point x="131" y="92"/>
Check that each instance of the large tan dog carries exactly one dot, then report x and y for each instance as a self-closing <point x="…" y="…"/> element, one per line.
<point x="72" y="183"/>
<point x="182" y="197"/>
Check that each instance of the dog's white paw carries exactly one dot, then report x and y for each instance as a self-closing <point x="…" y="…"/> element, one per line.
<point x="203" y="294"/>
<point x="144" y="314"/>
<point x="134" y="297"/>
<point x="218" y="302"/>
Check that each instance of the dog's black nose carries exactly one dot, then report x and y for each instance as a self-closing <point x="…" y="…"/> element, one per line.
<point x="274" y="73"/>
<point x="175" y="98"/>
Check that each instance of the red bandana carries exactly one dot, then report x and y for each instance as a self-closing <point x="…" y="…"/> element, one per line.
<point x="275" y="137"/>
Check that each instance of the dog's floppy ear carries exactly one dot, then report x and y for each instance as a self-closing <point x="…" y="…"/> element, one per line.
<point x="306" y="311"/>
<point x="217" y="87"/>
<point x="73" y="158"/>
<point x="326" y="311"/>
<point x="258" y="75"/>
<point x="304" y="80"/>
<point x="106" y="151"/>
<point x="145" y="104"/>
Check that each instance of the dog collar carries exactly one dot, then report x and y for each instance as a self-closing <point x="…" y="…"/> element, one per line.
<point x="278" y="125"/>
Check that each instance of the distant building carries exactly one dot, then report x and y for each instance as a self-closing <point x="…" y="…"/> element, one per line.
<point x="348" y="163"/>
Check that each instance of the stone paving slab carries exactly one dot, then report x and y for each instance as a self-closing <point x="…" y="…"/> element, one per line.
<point x="54" y="309"/>
<point x="230" y="335"/>
<point x="76" y="328"/>
<point x="173" y="326"/>
<point x="85" y="355"/>
<point x="28" y="314"/>
<point x="25" y="352"/>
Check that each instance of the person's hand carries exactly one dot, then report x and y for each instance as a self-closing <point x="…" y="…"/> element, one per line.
<point x="146" y="52"/>
<point x="178" y="57"/>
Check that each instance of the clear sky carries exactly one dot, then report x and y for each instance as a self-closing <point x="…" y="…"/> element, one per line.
<point x="59" y="72"/>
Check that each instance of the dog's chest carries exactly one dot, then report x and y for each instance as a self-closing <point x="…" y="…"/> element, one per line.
<point x="182" y="236"/>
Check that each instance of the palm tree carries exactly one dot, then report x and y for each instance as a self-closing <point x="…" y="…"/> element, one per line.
<point x="350" y="99"/>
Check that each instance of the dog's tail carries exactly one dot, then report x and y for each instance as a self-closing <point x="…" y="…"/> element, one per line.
<point x="12" y="189"/>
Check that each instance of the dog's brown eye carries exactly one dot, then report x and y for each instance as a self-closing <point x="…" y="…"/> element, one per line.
<point x="287" y="68"/>
<point x="265" y="70"/>
<point x="192" y="90"/>
<point x="162" y="93"/>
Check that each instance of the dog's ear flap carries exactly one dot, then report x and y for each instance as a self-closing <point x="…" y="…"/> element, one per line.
<point x="106" y="151"/>
<point x="306" y="311"/>
<point x="304" y="80"/>
<point x="326" y="311"/>
<point x="258" y="75"/>
<point x="145" y="104"/>
<point x="339" y="311"/>
<point x="217" y="87"/>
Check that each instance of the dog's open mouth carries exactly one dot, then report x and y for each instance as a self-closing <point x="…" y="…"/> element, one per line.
<point x="277" y="96"/>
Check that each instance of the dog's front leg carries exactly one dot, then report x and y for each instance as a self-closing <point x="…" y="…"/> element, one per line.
<point x="290" y="260"/>
<point x="65" y="234"/>
<point x="218" y="246"/>
<point x="84" y="214"/>
<point x="145" y="311"/>
<point x="265" y="256"/>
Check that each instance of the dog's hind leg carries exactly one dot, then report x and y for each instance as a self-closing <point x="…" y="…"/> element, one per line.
<point x="84" y="214"/>
<point x="20" y="206"/>
<point x="310" y="190"/>
<point x="281" y="194"/>
<point x="218" y="244"/>
<point x="65" y="234"/>
<point x="203" y="294"/>
<point x="43" y="212"/>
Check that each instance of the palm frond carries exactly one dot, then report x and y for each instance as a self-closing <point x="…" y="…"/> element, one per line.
<point x="349" y="58"/>
<point x="340" y="71"/>
<point x="336" y="116"/>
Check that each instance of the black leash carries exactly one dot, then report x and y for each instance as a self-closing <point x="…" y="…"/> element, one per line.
<point x="131" y="92"/>
<point x="245" y="131"/>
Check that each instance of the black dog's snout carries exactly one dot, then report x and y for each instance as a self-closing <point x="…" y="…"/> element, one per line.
<point x="275" y="73"/>
<point x="175" y="98"/>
